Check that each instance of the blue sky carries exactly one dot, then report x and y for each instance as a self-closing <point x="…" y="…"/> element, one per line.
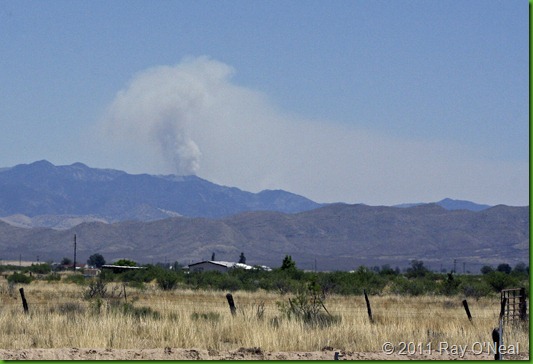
<point x="377" y="102"/>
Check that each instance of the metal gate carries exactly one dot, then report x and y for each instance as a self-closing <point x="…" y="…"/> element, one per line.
<point x="513" y="305"/>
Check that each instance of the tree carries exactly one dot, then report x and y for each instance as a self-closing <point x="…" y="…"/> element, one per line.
<point x="242" y="259"/>
<point x="125" y="263"/>
<point x="486" y="269"/>
<point x="417" y="269"/>
<point x="213" y="257"/>
<point x="66" y="261"/>
<point x="521" y="268"/>
<point x="288" y="263"/>
<point x="96" y="260"/>
<point x="499" y="280"/>
<point x="504" y="268"/>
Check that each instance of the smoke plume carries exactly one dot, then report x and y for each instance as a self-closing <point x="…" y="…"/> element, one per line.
<point x="192" y="118"/>
<point x="160" y="106"/>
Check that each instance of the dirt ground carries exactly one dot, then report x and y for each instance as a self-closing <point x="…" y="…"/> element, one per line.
<point x="240" y="354"/>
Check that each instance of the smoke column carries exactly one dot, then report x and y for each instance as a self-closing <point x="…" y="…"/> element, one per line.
<point x="160" y="105"/>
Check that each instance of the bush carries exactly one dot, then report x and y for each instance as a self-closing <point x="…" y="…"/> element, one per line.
<point x="43" y="268"/>
<point x="138" y="312"/>
<point x="19" y="278"/>
<point x="125" y="263"/>
<point x="167" y="280"/>
<point x="499" y="280"/>
<point x="476" y="289"/>
<point x="97" y="288"/>
<point x="53" y="277"/>
<point x="308" y="307"/>
<point x="450" y="286"/>
<point x="413" y="287"/>
<point x="75" y="278"/>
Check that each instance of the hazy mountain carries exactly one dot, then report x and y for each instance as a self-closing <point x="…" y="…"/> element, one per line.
<point x="450" y="204"/>
<point x="336" y="237"/>
<point x="41" y="191"/>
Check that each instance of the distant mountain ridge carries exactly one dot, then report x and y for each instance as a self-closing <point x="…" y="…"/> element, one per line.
<point x="43" y="189"/>
<point x="450" y="204"/>
<point x="336" y="237"/>
<point x="41" y="194"/>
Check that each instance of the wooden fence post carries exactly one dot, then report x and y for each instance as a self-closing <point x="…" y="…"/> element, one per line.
<point x="24" y="303"/>
<point x="496" y="339"/>
<point x="369" y="310"/>
<point x="465" y="304"/>
<point x="502" y="307"/>
<point x="231" y="303"/>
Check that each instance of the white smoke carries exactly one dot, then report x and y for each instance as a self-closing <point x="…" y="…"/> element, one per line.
<point x="193" y="119"/>
<point x="160" y="105"/>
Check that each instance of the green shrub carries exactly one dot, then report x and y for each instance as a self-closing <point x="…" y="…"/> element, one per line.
<point x="167" y="280"/>
<point x="75" y="278"/>
<point x="500" y="280"/>
<point x="97" y="288"/>
<point x="19" y="278"/>
<point x="413" y="287"/>
<point x="53" y="277"/>
<point x="138" y="312"/>
<point x="308" y="306"/>
<point x="476" y="289"/>
<point x="43" y="268"/>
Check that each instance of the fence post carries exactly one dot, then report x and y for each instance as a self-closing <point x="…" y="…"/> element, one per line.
<point x="502" y="308"/>
<point x="231" y="303"/>
<point x="465" y="304"/>
<point x="24" y="303"/>
<point x="369" y="310"/>
<point x="496" y="339"/>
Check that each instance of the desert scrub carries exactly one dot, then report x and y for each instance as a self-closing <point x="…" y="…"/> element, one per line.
<point x="161" y="318"/>
<point x="308" y="307"/>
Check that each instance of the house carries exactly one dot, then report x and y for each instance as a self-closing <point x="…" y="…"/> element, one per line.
<point x="219" y="266"/>
<point x="119" y="268"/>
<point x="91" y="272"/>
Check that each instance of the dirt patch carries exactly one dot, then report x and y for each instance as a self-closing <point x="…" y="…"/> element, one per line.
<point x="240" y="354"/>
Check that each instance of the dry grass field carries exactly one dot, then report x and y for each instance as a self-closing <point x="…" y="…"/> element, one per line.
<point x="61" y="318"/>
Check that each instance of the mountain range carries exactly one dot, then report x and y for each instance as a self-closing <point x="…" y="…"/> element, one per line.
<point x="333" y="237"/>
<point x="41" y="194"/>
<point x="169" y="218"/>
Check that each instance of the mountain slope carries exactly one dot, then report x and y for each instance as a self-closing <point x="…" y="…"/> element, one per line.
<point x="41" y="188"/>
<point x="337" y="237"/>
<point x="450" y="204"/>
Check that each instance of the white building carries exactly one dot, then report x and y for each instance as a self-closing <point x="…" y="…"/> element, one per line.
<point x="219" y="266"/>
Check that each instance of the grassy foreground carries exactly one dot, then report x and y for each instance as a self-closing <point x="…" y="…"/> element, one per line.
<point x="61" y="317"/>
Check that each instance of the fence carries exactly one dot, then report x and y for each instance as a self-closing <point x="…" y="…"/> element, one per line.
<point x="514" y="305"/>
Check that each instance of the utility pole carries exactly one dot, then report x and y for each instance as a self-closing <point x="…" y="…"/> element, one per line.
<point x="455" y="266"/>
<point x="74" y="267"/>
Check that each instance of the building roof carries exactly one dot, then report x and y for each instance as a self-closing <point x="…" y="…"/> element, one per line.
<point x="230" y="264"/>
<point x="111" y="266"/>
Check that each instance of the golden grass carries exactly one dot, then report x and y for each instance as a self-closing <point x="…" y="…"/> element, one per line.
<point x="60" y="318"/>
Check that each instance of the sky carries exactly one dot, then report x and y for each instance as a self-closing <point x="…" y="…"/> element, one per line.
<point x="375" y="102"/>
